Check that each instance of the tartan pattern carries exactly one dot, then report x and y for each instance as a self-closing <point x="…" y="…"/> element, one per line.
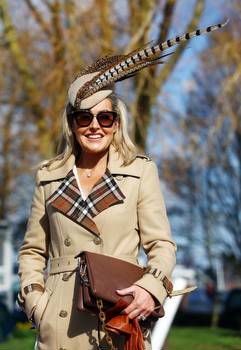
<point x="163" y="278"/>
<point x="168" y="285"/>
<point x="68" y="200"/>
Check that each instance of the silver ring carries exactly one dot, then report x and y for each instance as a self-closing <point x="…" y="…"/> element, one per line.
<point x="141" y="317"/>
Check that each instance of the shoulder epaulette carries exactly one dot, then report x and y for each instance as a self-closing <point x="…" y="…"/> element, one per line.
<point x="43" y="166"/>
<point x="143" y="156"/>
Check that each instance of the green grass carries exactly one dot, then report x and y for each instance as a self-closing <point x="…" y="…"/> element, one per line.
<point x="20" y="341"/>
<point x="180" y="338"/>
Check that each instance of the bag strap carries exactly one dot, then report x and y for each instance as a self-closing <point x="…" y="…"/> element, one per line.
<point x="102" y="319"/>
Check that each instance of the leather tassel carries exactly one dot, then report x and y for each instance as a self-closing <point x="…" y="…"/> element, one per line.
<point x="121" y="324"/>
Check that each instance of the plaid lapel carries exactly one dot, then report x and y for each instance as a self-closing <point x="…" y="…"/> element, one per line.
<point x="67" y="199"/>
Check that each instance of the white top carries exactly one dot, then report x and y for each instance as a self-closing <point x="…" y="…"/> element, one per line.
<point x="78" y="182"/>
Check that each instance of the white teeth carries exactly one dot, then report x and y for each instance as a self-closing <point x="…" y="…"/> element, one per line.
<point x="94" y="136"/>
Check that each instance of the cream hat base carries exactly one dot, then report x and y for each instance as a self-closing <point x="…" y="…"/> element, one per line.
<point x="90" y="101"/>
<point x="94" y="99"/>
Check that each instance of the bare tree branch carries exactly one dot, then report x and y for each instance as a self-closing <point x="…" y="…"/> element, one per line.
<point x="38" y="17"/>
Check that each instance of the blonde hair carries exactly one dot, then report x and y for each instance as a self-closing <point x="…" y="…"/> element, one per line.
<point x="121" y="139"/>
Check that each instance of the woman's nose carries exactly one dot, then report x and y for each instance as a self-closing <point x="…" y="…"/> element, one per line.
<point x="94" y="124"/>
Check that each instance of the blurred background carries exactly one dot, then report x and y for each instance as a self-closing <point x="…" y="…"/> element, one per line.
<point x="185" y="114"/>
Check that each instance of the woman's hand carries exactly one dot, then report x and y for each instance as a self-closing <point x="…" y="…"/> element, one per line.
<point x="142" y="304"/>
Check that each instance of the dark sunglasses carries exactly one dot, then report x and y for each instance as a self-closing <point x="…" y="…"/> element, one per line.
<point x="84" y="118"/>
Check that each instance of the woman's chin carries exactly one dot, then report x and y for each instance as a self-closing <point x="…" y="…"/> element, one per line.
<point x="94" y="149"/>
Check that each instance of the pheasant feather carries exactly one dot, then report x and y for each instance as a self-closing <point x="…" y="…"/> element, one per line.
<point x="115" y="68"/>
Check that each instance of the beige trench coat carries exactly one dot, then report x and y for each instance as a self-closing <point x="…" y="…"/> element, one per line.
<point x="52" y="240"/>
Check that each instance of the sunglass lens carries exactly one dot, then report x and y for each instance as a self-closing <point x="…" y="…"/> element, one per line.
<point x="106" y="119"/>
<point x="83" y="119"/>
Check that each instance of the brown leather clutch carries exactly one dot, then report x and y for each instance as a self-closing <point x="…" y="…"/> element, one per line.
<point x="100" y="277"/>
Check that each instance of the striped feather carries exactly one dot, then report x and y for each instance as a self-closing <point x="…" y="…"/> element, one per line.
<point x="120" y="67"/>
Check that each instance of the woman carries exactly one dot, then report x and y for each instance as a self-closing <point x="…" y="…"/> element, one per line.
<point x="97" y="195"/>
<point x="99" y="141"/>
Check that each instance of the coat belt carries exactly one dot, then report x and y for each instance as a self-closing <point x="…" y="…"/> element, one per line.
<point x="63" y="264"/>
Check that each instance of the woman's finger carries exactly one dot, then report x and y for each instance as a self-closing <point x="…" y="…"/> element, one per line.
<point x="125" y="291"/>
<point x="135" y="313"/>
<point x="139" y="313"/>
<point x="137" y="308"/>
<point x="130" y="308"/>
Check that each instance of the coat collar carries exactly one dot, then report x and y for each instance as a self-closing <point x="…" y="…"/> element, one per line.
<point x="67" y="200"/>
<point x="114" y="165"/>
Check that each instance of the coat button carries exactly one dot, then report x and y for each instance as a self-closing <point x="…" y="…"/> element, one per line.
<point x="65" y="277"/>
<point x="63" y="313"/>
<point x="97" y="240"/>
<point x="119" y="177"/>
<point x="67" y="242"/>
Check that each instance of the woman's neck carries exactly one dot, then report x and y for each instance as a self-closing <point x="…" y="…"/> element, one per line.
<point x="93" y="161"/>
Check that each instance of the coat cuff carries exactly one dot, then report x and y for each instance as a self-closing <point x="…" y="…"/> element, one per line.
<point x="30" y="303"/>
<point x="153" y="286"/>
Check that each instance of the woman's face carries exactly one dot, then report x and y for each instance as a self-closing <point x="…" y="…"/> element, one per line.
<point x="95" y="138"/>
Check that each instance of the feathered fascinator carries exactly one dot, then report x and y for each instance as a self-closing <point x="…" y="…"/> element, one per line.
<point x="96" y="81"/>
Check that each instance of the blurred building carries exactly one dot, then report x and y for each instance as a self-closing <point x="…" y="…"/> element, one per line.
<point x="7" y="276"/>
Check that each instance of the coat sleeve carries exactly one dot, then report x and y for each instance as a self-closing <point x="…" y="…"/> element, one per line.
<point x="33" y="254"/>
<point x="155" y="234"/>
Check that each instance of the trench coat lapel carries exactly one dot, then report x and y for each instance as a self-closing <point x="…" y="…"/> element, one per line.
<point x="68" y="200"/>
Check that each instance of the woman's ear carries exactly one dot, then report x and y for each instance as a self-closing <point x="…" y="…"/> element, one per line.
<point x="116" y="125"/>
